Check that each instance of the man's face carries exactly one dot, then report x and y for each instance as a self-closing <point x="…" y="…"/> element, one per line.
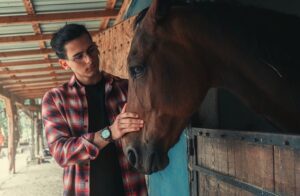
<point x="82" y="57"/>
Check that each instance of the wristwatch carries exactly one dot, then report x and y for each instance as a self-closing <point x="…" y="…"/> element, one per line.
<point x="106" y="134"/>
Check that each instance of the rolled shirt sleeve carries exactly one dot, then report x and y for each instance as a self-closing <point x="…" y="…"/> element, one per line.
<point x="64" y="147"/>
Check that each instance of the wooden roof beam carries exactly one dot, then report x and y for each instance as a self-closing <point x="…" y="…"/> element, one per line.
<point x="13" y="79"/>
<point x="26" y="52"/>
<point x="32" y="92"/>
<point x="42" y="87"/>
<point x="22" y="71"/>
<point x="109" y="5"/>
<point x="30" y="38"/>
<point x="58" y="17"/>
<point x="38" y="85"/>
<point x="8" y="95"/>
<point x="122" y="11"/>
<point x="26" y="83"/>
<point x="33" y="62"/>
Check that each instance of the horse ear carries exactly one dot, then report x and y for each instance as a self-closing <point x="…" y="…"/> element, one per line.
<point x="159" y="9"/>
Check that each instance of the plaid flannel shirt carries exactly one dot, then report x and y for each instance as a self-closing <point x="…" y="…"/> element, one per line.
<point x="65" y="118"/>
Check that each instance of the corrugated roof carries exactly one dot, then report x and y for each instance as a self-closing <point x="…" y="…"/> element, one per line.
<point x="24" y="59"/>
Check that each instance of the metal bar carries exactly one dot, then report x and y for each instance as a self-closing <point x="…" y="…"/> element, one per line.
<point x="277" y="139"/>
<point x="234" y="181"/>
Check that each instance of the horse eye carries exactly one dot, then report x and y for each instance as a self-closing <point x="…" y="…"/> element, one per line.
<point x="137" y="71"/>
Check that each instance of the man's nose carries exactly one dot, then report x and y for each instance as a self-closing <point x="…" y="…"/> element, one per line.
<point x="87" y="58"/>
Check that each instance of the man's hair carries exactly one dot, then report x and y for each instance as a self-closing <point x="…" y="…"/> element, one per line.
<point x="64" y="35"/>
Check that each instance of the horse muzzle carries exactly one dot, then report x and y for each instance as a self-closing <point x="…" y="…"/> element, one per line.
<point x="146" y="160"/>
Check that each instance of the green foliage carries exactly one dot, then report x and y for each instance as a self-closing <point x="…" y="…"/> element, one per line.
<point x="3" y="118"/>
<point x="24" y="125"/>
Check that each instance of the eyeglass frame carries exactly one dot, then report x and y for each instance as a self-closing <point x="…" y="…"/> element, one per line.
<point x="85" y="54"/>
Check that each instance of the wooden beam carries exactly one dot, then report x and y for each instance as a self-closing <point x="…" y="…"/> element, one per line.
<point x="12" y="133"/>
<point x="122" y="11"/>
<point x="30" y="70"/>
<point x="26" y="52"/>
<point x="41" y="90"/>
<point x="33" y="62"/>
<point x="13" y="79"/>
<point x="28" y="83"/>
<point x="25" y="38"/>
<point x="29" y="7"/>
<point x="57" y="17"/>
<point x="32" y="108"/>
<point x="4" y="93"/>
<point x="109" y="5"/>
<point x="30" y="38"/>
<point x="48" y="83"/>
<point x="15" y="90"/>
<point x="34" y="96"/>
<point x="32" y="93"/>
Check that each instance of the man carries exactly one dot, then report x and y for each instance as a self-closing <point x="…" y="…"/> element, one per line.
<point x="82" y="121"/>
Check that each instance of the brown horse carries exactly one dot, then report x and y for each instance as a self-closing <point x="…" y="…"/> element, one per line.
<point x="179" y="53"/>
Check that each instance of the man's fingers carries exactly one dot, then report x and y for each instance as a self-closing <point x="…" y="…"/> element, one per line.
<point x="128" y="130"/>
<point x="125" y="126"/>
<point x="130" y="121"/>
<point x="128" y="115"/>
<point x="124" y="108"/>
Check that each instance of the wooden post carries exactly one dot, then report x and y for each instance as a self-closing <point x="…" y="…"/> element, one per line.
<point x="38" y="134"/>
<point x="32" y="144"/>
<point x="13" y="135"/>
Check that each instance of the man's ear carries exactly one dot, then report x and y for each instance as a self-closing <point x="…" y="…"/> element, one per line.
<point x="63" y="63"/>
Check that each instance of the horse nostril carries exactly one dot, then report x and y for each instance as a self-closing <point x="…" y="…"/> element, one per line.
<point x="132" y="157"/>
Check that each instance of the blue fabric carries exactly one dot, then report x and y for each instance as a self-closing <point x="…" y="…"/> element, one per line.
<point x="173" y="180"/>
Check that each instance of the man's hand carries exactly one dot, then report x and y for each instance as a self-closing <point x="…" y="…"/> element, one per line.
<point x="124" y="123"/>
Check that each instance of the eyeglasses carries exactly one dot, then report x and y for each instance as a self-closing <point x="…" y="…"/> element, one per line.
<point x="92" y="51"/>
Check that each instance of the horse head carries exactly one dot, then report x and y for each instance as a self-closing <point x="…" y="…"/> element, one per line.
<point x="158" y="87"/>
<point x="174" y="60"/>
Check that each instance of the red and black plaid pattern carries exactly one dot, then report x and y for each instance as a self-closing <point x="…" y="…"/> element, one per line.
<point x="65" y="118"/>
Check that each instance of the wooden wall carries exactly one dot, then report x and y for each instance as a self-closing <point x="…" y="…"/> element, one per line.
<point x="114" y="45"/>
<point x="273" y="168"/>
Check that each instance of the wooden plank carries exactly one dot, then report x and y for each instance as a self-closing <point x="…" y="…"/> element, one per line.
<point x="122" y="11"/>
<point x="11" y="72"/>
<point x="28" y="83"/>
<point x="109" y="5"/>
<point x="33" y="96"/>
<point x="210" y="186"/>
<point x="30" y="38"/>
<point x="57" y="17"/>
<point x="29" y="88"/>
<point x="13" y="136"/>
<point x="114" y="44"/>
<point x="33" y="91"/>
<point x="14" y="79"/>
<point x="25" y="38"/>
<point x="26" y="52"/>
<point x="34" y="84"/>
<point x="238" y="159"/>
<point x="285" y="173"/>
<point x="33" y="62"/>
<point x="5" y="94"/>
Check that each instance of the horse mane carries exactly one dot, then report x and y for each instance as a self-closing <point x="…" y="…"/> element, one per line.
<point x="274" y="43"/>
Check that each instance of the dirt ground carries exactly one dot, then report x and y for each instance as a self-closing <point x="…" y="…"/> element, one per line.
<point x="31" y="180"/>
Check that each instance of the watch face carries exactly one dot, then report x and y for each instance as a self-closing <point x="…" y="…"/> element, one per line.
<point x="105" y="133"/>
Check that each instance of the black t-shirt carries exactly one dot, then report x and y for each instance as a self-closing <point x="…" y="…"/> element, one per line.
<point x="105" y="171"/>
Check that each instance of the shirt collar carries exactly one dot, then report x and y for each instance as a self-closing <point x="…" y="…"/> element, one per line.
<point x="108" y="79"/>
